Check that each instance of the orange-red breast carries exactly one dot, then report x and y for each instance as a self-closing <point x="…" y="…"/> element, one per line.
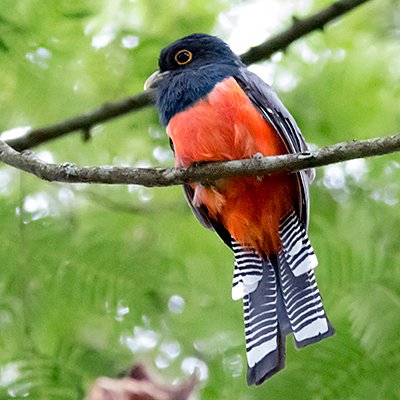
<point x="216" y="109"/>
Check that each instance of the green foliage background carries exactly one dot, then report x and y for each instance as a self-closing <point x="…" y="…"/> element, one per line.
<point x="96" y="278"/>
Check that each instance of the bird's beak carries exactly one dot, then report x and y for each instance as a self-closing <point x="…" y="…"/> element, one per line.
<point x="154" y="79"/>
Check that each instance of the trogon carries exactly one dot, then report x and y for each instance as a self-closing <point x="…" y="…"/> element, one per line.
<point x="214" y="108"/>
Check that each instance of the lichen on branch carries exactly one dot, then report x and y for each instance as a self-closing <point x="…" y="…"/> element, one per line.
<point x="209" y="172"/>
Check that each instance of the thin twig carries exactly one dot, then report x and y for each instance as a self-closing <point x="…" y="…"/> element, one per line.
<point x="299" y="28"/>
<point x="29" y="162"/>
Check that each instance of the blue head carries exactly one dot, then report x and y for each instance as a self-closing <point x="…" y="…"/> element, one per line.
<point x="188" y="70"/>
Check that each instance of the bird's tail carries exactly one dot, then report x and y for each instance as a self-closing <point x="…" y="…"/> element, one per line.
<point x="280" y="296"/>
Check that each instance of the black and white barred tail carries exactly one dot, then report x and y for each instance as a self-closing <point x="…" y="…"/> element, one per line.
<point x="280" y="296"/>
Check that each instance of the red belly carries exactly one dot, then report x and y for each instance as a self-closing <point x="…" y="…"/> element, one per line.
<point x="226" y="126"/>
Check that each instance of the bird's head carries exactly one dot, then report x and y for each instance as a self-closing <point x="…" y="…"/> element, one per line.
<point x="188" y="70"/>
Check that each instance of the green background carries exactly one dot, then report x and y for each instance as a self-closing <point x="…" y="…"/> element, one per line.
<point x="95" y="278"/>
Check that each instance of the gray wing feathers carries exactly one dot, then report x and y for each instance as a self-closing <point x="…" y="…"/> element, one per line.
<point x="272" y="109"/>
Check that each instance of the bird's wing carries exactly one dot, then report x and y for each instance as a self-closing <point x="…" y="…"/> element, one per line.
<point x="202" y="214"/>
<point x="271" y="108"/>
<point x="206" y="220"/>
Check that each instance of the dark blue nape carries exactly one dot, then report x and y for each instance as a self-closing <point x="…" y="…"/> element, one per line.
<point x="184" y="85"/>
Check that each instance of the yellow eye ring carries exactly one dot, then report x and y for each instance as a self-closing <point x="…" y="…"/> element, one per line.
<point x="183" y="57"/>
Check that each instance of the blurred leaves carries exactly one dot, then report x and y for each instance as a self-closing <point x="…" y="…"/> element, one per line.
<point x="93" y="279"/>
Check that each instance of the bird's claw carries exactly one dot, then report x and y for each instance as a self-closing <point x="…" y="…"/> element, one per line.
<point x="258" y="156"/>
<point x="305" y="155"/>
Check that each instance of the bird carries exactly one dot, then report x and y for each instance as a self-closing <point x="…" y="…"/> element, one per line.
<point x="214" y="109"/>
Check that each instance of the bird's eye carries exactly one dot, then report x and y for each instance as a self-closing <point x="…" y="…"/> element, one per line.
<point x="182" y="57"/>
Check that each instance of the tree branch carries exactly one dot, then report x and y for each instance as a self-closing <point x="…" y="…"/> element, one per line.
<point x="206" y="173"/>
<point x="82" y="122"/>
<point x="281" y="41"/>
<point x="299" y="28"/>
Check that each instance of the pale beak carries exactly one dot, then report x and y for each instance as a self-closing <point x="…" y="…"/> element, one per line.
<point x="153" y="80"/>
